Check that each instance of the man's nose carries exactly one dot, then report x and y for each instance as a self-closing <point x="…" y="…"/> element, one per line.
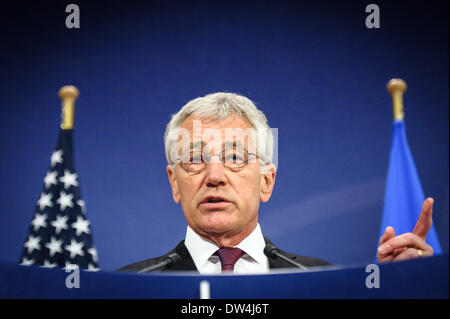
<point x="215" y="173"/>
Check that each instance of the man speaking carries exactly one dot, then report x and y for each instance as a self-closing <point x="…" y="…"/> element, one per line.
<point x="219" y="150"/>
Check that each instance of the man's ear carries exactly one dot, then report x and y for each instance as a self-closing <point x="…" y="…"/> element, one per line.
<point x="267" y="181"/>
<point x="173" y="183"/>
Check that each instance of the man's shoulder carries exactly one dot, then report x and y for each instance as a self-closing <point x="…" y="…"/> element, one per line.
<point x="303" y="260"/>
<point x="186" y="262"/>
<point x="137" y="266"/>
<point x="307" y="260"/>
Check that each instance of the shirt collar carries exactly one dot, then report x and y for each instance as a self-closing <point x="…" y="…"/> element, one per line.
<point x="254" y="244"/>
<point x="201" y="249"/>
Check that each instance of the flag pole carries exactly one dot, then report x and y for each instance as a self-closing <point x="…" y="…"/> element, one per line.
<point x="396" y="88"/>
<point x="68" y="94"/>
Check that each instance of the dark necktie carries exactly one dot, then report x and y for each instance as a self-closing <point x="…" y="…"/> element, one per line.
<point x="228" y="257"/>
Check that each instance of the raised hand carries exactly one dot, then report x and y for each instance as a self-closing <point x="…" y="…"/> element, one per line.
<point x="409" y="245"/>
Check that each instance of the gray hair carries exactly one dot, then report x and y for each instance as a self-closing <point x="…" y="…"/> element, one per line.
<point x="218" y="107"/>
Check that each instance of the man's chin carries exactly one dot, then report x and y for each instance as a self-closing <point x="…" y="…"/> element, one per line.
<point x="216" y="227"/>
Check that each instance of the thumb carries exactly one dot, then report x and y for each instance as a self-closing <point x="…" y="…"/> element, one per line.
<point x="388" y="234"/>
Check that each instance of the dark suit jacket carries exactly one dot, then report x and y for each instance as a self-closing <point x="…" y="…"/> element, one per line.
<point x="187" y="263"/>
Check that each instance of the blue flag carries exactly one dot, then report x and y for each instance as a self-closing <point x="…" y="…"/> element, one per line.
<point x="59" y="234"/>
<point x="404" y="196"/>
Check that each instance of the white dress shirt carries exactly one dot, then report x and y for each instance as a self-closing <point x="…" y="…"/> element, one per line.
<point x="252" y="262"/>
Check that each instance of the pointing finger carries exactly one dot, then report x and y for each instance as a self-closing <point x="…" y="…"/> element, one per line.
<point x="425" y="220"/>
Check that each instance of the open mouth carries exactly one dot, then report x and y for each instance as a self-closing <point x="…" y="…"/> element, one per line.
<point x="214" y="201"/>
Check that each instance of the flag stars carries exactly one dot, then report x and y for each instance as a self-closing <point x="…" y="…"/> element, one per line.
<point x="82" y="204"/>
<point x="91" y="267"/>
<point x="32" y="243"/>
<point x="81" y="226"/>
<point x="60" y="223"/>
<point x="27" y="262"/>
<point x="45" y="201"/>
<point x="65" y="200"/>
<point x="50" y="179"/>
<point x="70" y="266"/>
<point x="56" y="157"/>
<point x="75" y="248"/>
<point x="48" y="264"/>
<point x="54" y="246"/>
<point x="67" y="240"/>
<point x="39" y="221"/>
<point x="69" y="179"/>
<point x="94" y="254"/>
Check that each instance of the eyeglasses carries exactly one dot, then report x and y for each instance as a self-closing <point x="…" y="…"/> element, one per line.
<point x="233" y="159"/>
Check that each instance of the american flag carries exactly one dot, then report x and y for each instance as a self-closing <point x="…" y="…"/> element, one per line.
<point x="59" y="234"/>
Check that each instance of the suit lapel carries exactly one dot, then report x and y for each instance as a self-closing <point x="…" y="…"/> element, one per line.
<point x="186" y="263"/>
<point x="276" y="263"/>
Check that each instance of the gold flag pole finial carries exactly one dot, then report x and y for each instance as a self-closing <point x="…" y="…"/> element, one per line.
<point x="396" y="88"/>
<point x="68" y="94"/>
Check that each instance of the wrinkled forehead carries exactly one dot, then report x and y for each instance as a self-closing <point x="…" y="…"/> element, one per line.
<point x="232" y="131"/>
<point x="197" y="133"/>
<point x="233" y="121"/>
<point x="215" y="145"/>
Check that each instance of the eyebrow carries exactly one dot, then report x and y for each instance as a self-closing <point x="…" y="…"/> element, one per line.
<point x="225" y="145"/>
<point x="197" y="145"/>
<point x="232" y="144"/>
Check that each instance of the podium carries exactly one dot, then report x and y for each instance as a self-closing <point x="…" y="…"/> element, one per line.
<point x="418" y="278"/>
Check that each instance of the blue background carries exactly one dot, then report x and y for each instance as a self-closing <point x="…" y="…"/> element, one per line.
<point x="313" y="67"/>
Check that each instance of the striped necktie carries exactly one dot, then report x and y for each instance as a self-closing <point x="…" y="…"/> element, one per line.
<point x="228" y="257"/>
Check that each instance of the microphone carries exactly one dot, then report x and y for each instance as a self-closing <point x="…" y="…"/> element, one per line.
<point x="273" y="252"/>
<point x="168" y="262"/>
